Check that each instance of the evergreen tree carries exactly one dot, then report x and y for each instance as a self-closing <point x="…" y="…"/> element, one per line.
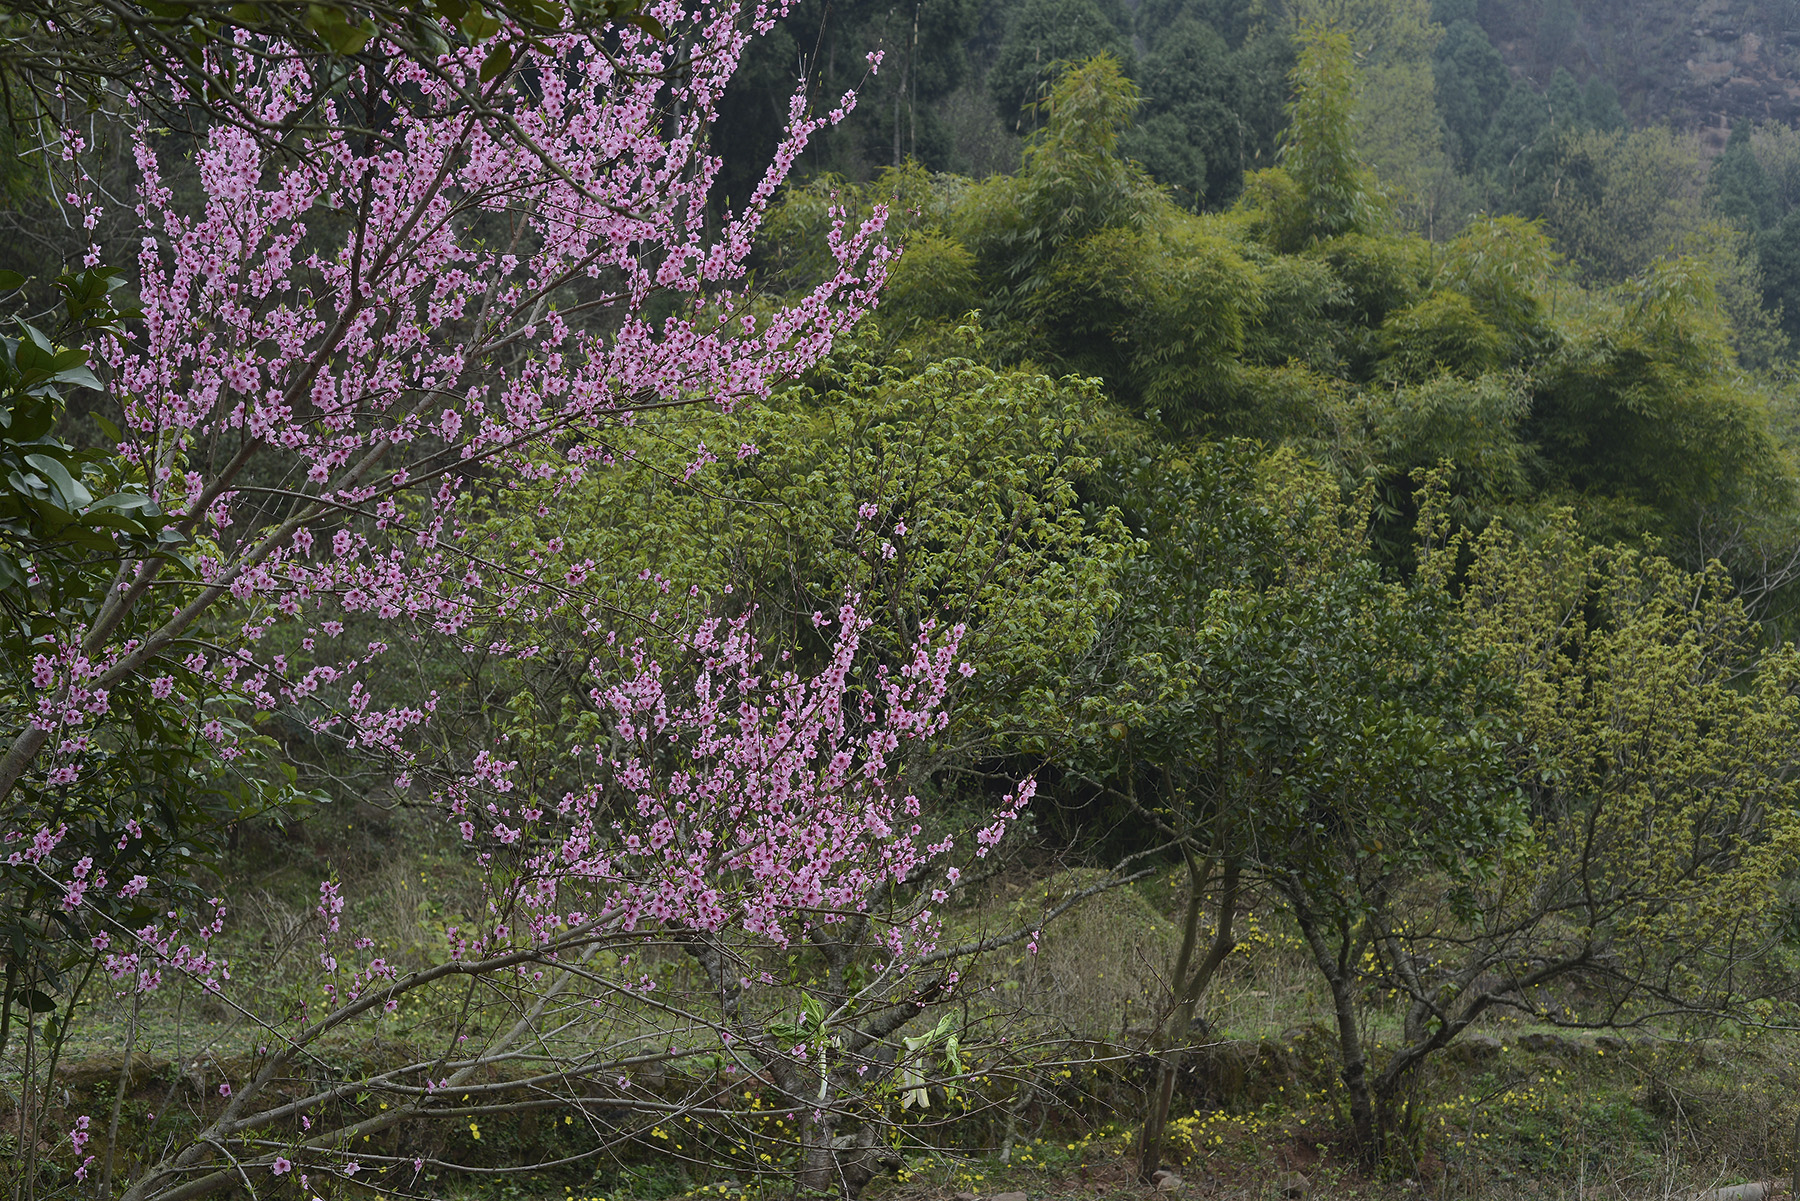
<point x="1232" y="20"/>
<point x="1739" y="189"/>
<point x="1189" y="135"/>
<point x="1262" y="66"/>
<point x="1043" y="36"/>
<point x="925" y="58"/>
<point x="1568" y="108"/>
<point x="1521" y="125"/>
<point x="1472" y="81"/>
<point x="1556" y="33"/>
<point x="1778" y="252"/>
<point x="1600" y="103"/>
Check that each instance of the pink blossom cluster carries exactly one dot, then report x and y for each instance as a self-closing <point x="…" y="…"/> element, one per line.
<point x="763" y="799"/>
<point x="335" y="340"/>
<point x="760" y="801"/>
<point x="338" y="322"/>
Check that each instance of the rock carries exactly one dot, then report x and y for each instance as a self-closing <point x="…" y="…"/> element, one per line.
<point x="1548" y="1044"/>
<point x="1475" y="1048"/>
<point x="1166" y="1182"/>
<point x="962" y="1197"/>
<point x="1009" y="1197"/>
<point x="1296" y="1187"/>
<point x="1612" y="1044"/>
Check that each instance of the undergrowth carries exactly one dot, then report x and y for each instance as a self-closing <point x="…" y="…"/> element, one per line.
<point x="1644" y="1113"/>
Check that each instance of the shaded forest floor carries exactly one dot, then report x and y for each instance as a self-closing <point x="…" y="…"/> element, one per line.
<point x="1536" y="1115"/>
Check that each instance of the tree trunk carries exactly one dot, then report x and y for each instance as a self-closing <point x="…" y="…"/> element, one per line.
<point x="814" y="1108"/>
<point x="1187" y="991"/>
<point x="1339" y="974"/>
<point x="1356" y="1072"/>
<point x="818" y="1163"/>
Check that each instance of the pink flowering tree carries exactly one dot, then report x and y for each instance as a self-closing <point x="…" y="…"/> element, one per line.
<point x="734" y="820"/>
<point x="440" y="271"/>
<point x="341" y="333"/>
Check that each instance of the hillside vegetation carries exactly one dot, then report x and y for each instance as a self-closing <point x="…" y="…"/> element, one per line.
<point x="1201" y="600"/>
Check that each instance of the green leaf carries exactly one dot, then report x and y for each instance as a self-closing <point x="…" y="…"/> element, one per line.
<point x="11" y="280"/>
<point x="29" y="420"/>
<point x="539" y="12"/>
<point x="34" y="999"/>
<point x="649" y="25"/>
<point x="127" y="503"/>
<point x="35" y="353"/>
<point x="479" y="24"/>
<point x="496" y="63"/>
<point x="334" y="28"/>
<point x="79" y="377"/>
<point x="74" y="495"/>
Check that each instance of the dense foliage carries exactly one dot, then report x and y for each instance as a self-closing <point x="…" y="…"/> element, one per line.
<point x="752" y="538"/>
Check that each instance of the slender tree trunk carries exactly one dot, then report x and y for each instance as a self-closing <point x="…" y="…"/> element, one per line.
<point x="912" y="103"/>
<point x="118" y="1105"/>
<point x="1189" y="987"/>
<point x="1340" y="978"/>
<point x="899" y="99"/>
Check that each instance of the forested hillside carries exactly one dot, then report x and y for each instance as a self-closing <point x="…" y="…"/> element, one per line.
<point x="641" y="600"/>
<point x="1601" y="119"/>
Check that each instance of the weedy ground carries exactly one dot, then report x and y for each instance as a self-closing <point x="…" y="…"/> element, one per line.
<point x="1653" y="1113"/>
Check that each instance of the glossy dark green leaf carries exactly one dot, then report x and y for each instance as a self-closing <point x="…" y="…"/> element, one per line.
<point x="496" y="63"/>
<point x="35" y="999"/>
<point x="28" y="420"/>
<point x="74" y="494"/>
<point x="649" y="25"/>
<point x="479" y="25"/>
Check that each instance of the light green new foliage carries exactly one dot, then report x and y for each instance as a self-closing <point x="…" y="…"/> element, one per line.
<point x="1073" y="183"/>
<point x="1657" y="756"/>
<point x="1380" y="272"/>
<point x="1163" y="311"/>
<point x="1504" y="265"/>
<point x="1444" y="333"/>
<point x="971" y="473"/>
<point x="1473" y="424"/>
<point x="1642" y="410"/>
<point x="1334" y="192"/>
<point x="933" y="281"/>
